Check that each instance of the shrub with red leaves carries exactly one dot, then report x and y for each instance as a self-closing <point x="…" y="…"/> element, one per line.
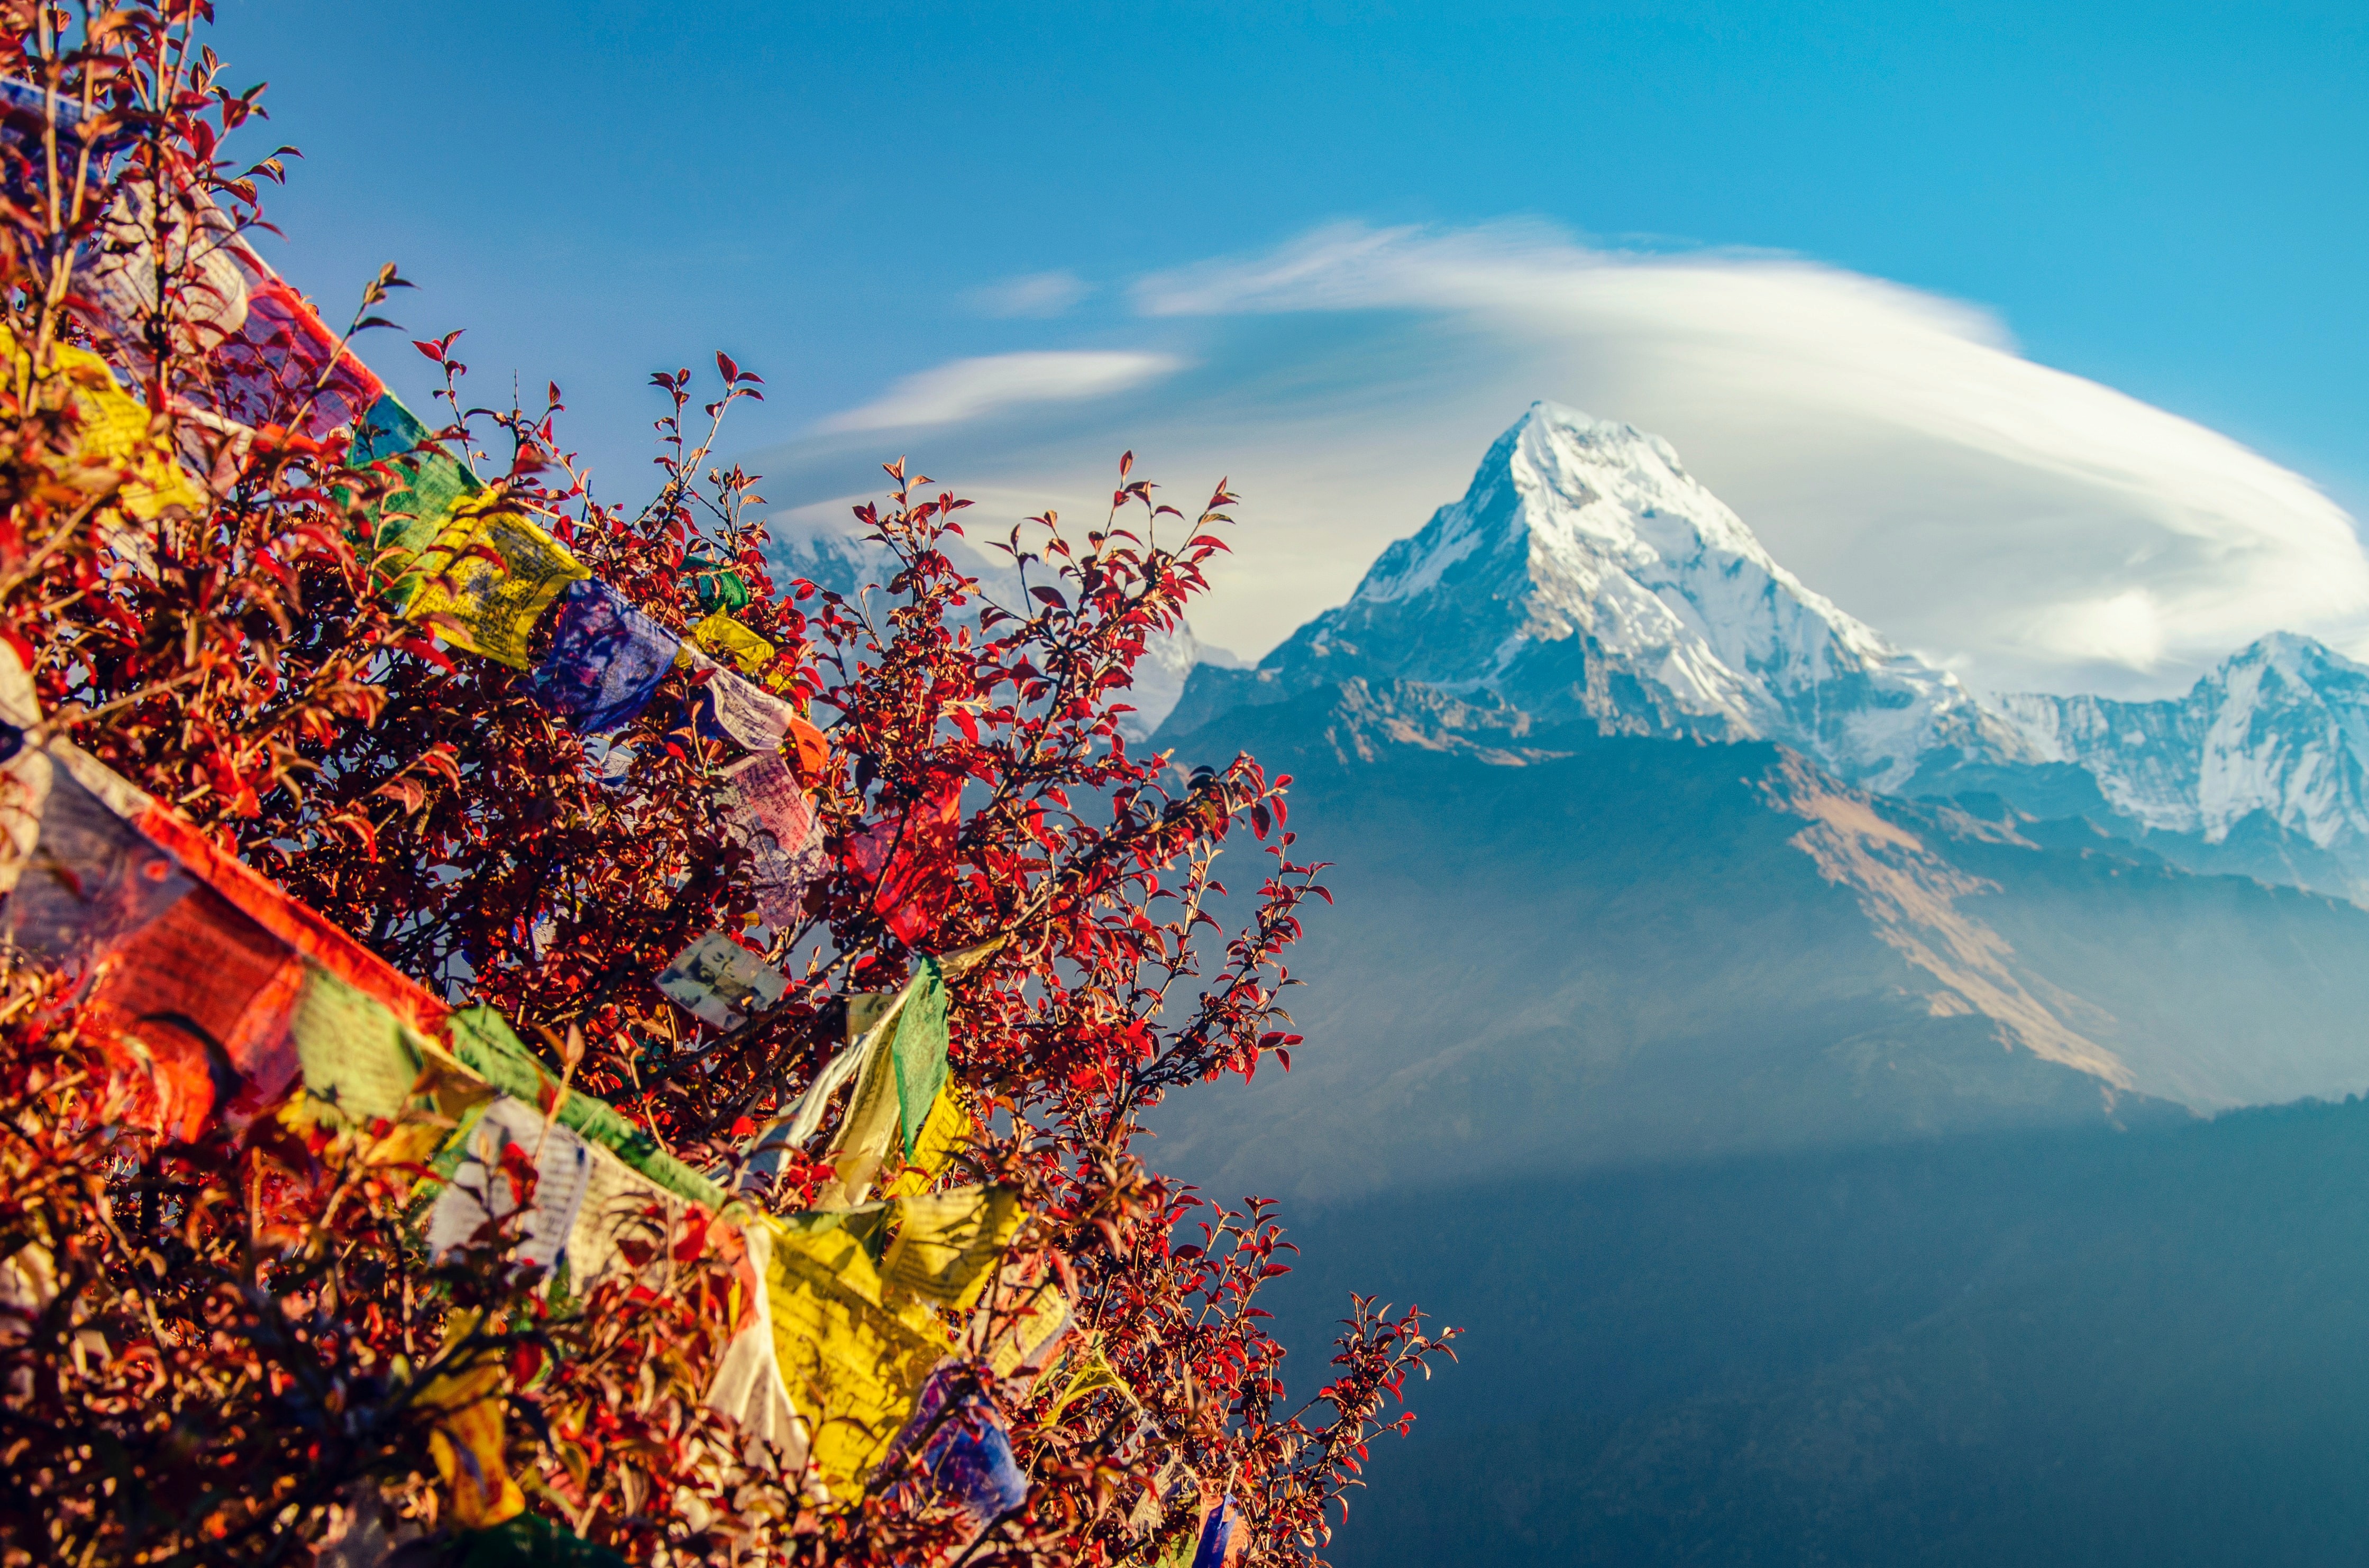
<point x="216" y="1351"/>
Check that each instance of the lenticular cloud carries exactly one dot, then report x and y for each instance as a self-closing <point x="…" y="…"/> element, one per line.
<point x="2028" y="524"/>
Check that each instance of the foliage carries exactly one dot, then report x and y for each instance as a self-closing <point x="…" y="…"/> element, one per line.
<point x="233" y="1350"/>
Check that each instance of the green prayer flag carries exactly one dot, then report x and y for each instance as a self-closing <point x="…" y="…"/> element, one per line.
<point x="355" y="1053"/>
<point x="920" y="1050"/>
<point x="486" y="1045"/>
<point x="408" y="520"/>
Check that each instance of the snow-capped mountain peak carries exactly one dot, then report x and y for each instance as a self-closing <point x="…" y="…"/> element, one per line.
<point x="1586" y="574"/>
<point x="2280" y="727"/>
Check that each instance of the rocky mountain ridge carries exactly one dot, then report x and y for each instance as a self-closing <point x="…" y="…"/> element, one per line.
<point x="1586" y="579"/>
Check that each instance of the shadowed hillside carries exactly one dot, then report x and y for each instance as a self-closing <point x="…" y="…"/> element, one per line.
<point x="2094" y="1347"/>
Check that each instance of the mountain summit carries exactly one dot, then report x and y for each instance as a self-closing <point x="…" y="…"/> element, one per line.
<point x="1586" y="577"/>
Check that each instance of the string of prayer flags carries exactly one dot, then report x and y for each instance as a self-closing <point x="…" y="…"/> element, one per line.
<point x="719" y="981"/>
<point x="910" y="861"/>
<point x="950" y="1243"/>
<point x="920" y="1049"/>
<point x="966" y="1453"/>
<point x="605" y="662"/>
<point x="434" y="482"/>
<point x="488" y="577"/>
<point x="768" y="814"/>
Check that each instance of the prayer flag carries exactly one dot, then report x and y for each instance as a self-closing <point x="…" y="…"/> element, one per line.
<point x="357" y="1057"/>
<point x="965" y="1452"/>
<point x="813" y="750"/>
<point x="207" y="994"/>
<point x="911" y="863"/>
<point x="1020" y="1328"/>
<point x="853" y="1367"/>
<point x="478" y="1192"/>
<point x="1224" y="1535"/>
<point x="262" y="902"/>
<point x="606" y="658"/>
<point x="726" y="707"/>
<point x="747" y="1385"/>
<point x="769" y="815"/>
<point x="719" y="981"/>
<point x="920" y="1049"/>
<point x="113" y="429"/>
<point x="433" y="482"/>
<point x="488" y="575"/>
<point x="1090" y="1374"/>
<point x="719" y="588"/>
<point x="92" y="881"/>
<point x="117" y="272"/>
<point x="466" y="1441"/>
<point x="284" y="367"/>
<point x="720" y="634"/>
<point x="485" y="1045"/>
<point x="943" y="1135"/>
<point x="950" y="1243"/>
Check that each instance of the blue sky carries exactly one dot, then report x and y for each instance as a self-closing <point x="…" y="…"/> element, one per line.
<point x="2167" y="199"/>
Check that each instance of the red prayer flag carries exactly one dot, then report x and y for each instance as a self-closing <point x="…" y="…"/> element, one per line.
<point x="208" y="993"/>
<point x="284" y="366"/>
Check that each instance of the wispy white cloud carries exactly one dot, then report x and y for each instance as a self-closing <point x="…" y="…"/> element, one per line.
<point x="1039" y="294"/>
<point x="2032" y="528"/>
<point x="968" y="389"/>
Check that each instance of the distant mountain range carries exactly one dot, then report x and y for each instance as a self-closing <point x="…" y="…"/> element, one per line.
<point x="1647" y="850"/>
<point x="1587" y="577"/>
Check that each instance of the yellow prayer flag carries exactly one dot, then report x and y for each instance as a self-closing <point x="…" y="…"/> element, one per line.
<point x="466" y="1441"/>
<point x="851" y="1366"/>
<point x="950" y="1243"/>
<point x="721" y="634"/>
<point x="1090" y="1373"/>
<point x="114" y="432"/>
<point x="945" y="1134"/>
<point x="488" y="575"/>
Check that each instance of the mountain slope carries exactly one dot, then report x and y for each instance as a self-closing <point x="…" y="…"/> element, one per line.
<point x="1586" y="575"/>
